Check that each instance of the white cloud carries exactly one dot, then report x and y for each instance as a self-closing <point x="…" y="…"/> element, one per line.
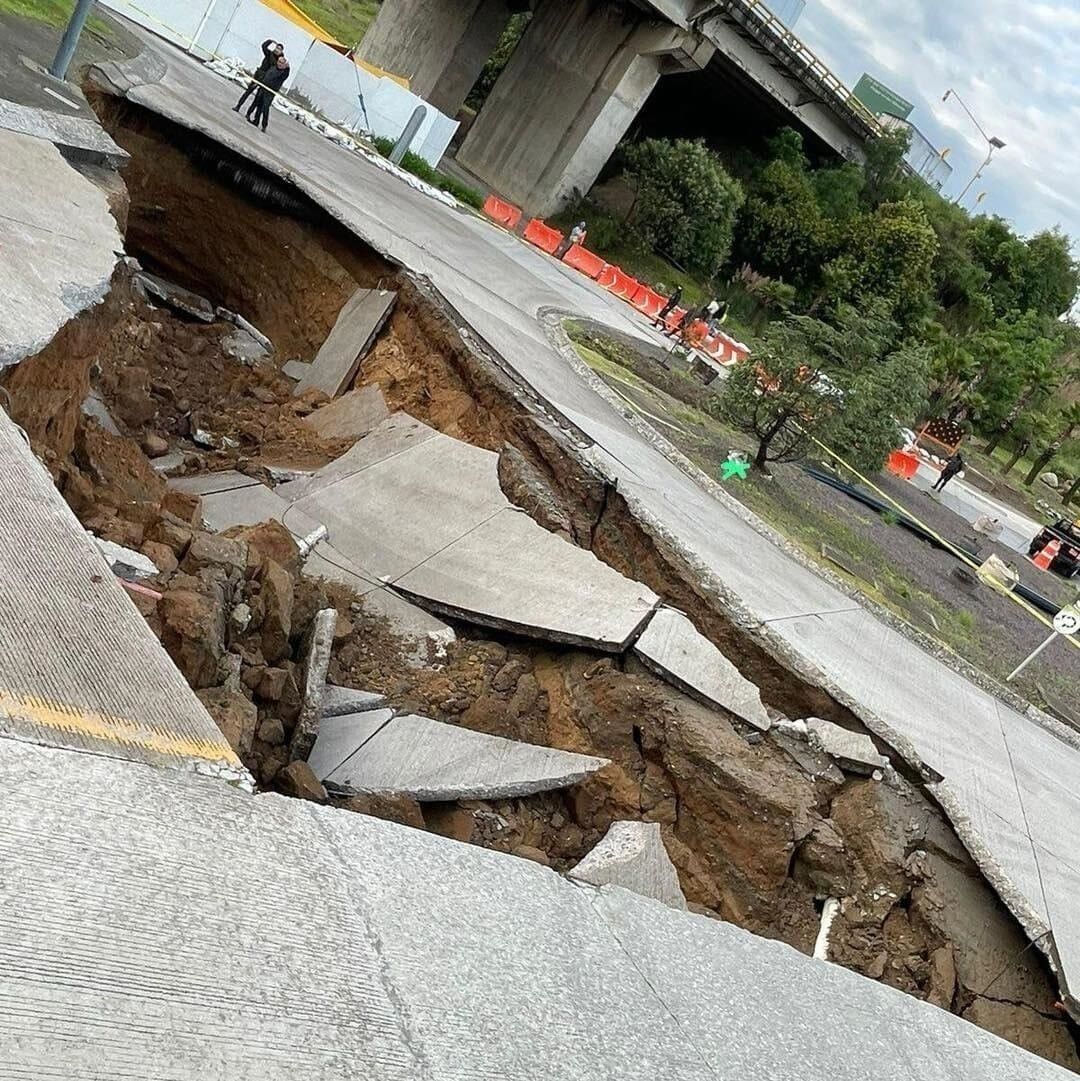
<point x="1016" y="65"/>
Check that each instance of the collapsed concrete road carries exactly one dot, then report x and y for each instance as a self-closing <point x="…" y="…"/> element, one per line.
<point x="937" y="720"/>
<point x="59" y="240"/>
<point x="339" y="946"/>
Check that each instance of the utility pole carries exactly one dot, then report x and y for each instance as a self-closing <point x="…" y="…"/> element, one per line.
<point x="992" y="141"/>
<point x="70" y="39"/>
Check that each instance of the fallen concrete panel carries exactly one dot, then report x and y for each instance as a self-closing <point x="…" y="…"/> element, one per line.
<point x="342" y="701"/>
<point x="431" y="761"/>
<point x="59" y="243"/>
<point x="228" y="480"/>
<point x="853" y="750"/>
<point x="358" y="325"/>
<point x="511" y="574"/>
<point x="429" y="636"/>
<point x="79" y="666"/>
<point x="351" y="416"/>
<point x="672" y="646"/>
<point x="632" y="855"/>
<point x="83" y="139"/>
<point x="249" y="505"/>
<point x="318" y="661"/>
<point x="161" y="924"/>
<point x="174" y="296"/>
<point x="343" y="735"/>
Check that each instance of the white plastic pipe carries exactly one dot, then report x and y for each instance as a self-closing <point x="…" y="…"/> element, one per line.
<point x="828" y="914"/>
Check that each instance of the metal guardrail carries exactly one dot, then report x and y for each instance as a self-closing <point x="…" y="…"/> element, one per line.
<point x="755" y="17"/>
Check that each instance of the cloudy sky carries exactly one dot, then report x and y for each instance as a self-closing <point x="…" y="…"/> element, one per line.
<point x="1016" y="63"/>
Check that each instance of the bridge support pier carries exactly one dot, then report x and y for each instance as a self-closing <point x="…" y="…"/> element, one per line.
<point x="572" y="88"/>
<point x="440" y="46"/>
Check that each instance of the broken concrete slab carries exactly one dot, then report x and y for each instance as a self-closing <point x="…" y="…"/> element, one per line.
<point x="425" y="513"/>
<point x="124" y="562"/>
<point x="358" y="325"/>
<point x="81" y="667"/>
<point x="434" y="762"/>
<point x="150" y="286"/>
<point x="343" y="735"/>
<point x="228" y="480"/>
<point x="341" y="701"/>
<point x="351" y="416"/>
<point x="295" y="369"/>
<point x="318" y="660"/>
<point x="673" y="648"/>
<point x="512" y="575"/>
<point x="853" y="751"/>
<point x="168" y="462"/>
<point x="250" y="505"/>
<point x="632" y="855"/>
<point x="59" y="243"/>
<point x="77" y="137"/>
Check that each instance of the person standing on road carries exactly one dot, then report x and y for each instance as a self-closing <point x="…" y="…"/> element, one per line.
<point x="669" y="307"/>
<point x="271" y="51"/>
<point x="952" y="467"/>
<point x="259" y="110"/>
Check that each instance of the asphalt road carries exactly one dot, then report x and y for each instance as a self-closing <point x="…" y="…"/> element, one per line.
<point x="1009" y="785"/>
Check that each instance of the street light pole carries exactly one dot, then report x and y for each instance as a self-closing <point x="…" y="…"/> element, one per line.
<point x="992" y="141"/>
<point x="70" y="39"/>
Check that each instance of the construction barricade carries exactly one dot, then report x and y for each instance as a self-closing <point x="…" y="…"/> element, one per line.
<point x="498" y="210"/>
<point x="584" y="260"/>
<point x="543" y="236"/>
<point x="648" y="302"/>
<point x="623" y="285"/>
<point x="903" y="464"/>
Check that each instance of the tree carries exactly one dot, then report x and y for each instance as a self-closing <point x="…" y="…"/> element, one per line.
<point x="1068" y="421"/>
<point x="778" y="396"/>
<point x="686" y="201"/>
<point x="843" y="382"/>
<point x="885" y="177"/>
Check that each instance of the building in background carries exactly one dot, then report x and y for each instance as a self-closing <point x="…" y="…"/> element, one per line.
<point x="893" y="112"/>
<point x="787" y="11"/>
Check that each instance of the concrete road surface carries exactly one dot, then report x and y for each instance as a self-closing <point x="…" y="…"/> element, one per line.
<point x="1008" y="785"/>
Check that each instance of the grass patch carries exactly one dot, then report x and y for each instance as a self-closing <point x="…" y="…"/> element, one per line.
<point x="54" y="13"/>
<point x="347" y="20"/>
<point x="413" y="163"/>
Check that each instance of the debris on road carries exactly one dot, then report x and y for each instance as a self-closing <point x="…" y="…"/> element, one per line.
<point x="632" y="855"/>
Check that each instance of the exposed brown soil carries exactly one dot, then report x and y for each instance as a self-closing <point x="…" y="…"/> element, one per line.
<point x="760" y="832"/>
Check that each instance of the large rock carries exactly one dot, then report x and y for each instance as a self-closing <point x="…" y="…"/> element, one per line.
<point x="235" y="716"/>
<point x="208" y="550"/>
<point x="632" y="855"/>
<point x="193" y="632"/>
<point x="277" y="603"/>
<point x="297" y="780"/>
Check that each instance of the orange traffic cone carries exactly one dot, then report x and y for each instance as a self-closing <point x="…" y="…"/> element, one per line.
<point x="1048" y="554"/>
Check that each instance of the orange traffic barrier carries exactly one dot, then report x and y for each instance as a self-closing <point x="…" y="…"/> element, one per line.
<point x="606" y="275"/>
<point x="623" y="285"/>
<point x="1046" y="557"/>
<point x="543" y="236"/>
<point x="903" y="464"/>
<point x="649" y="302"/>
<point x="584" y="260"/>
<point x="675" y="317"/>
<point x="501" y="211"/>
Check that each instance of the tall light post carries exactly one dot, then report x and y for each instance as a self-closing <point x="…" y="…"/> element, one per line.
<point x="70" y="39"/>
<point x="992" y="141"/>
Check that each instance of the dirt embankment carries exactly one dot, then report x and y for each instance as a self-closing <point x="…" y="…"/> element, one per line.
<point x="761" y="830"/>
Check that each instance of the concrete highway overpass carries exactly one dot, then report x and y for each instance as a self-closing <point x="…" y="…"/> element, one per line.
<point x="585" y="69"/>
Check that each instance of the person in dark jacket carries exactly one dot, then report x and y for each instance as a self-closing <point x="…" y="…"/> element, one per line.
<point x="669" y="307"/>
<point x="271" y="51"/>
<point x="259" y="110"/>
<point x="952" y="467"/>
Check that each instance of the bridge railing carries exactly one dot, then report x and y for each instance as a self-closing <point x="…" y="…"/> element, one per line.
<point x="755" y="16"/>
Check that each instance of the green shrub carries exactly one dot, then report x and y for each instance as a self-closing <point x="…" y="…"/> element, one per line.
<point x="413" y="163"/>
<point x="686" y="201"/>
